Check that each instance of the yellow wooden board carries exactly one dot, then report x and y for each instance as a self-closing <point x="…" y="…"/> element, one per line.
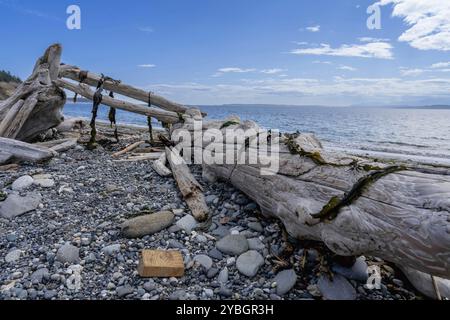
<point x="161" y="264"/>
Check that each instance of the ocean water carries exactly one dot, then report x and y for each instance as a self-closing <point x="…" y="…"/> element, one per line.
<point x="402" y="131"/>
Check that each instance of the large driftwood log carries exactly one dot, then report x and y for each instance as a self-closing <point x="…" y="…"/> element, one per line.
<point x="36" y="104"/>
<point x="13" y="150"/>
<point x="402" y="216"/>
<point x="85" y="91"/>
<point x="92" y="79"/>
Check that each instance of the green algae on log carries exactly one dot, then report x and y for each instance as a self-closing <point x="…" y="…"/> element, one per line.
<point x="331" y="210"/>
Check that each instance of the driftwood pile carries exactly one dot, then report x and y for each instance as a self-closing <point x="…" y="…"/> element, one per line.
<point x="356" y="206"/>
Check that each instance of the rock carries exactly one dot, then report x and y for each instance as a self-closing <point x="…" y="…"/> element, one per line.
<point x="50" y="294"/>
<point x="249" y="263"/>
<point x="174" y="244"/>
<point x="178" y="295"/>
<point x="40" y="275"/>
<point x="111" y="249"/>
<point x="255" y="226"/>
<point x="13" y="256"/>
<point x="223" y="276"/>
<point x="16" y="205"/>
<point x="68" y="254"/>
<point x="22" y="183"/>
<point x="255" y="244"/>
<point x="44" y="183"/>
<point x="212" y="273"/>
<point x="147" y="225"/>
<point x="357" y="272"/>
<point x="215" y="254"/>
<point x="233" y="244"/>
<point x="203" y="260"/>
<point x="314" y="290"/>
<point x="221" y="232"/>
<point x="149" y="286"/>
<point x="208" y="293"/>
<point x="187" y="223"/>
<point x="225" y="292"/>
<point x="285" y="281"/>
<point x="211" y="198"/>
<point x="123" y="291"/>
<point x="338" y="289"/>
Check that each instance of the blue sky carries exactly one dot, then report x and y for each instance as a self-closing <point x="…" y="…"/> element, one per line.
<point x="228" y="51"/>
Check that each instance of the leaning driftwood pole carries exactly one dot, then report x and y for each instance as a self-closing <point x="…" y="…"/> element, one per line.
<point x="74" y="73"/>
<point x="36" y="104"/>
<point x="85" y="91"/>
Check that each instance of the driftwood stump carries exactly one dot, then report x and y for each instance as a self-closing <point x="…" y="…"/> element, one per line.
<point x="36" y="104"/>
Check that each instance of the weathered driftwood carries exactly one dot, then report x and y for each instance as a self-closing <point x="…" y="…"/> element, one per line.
<point x="189" y="187"/>
<point x="402" y="217"/>
<point x="15" y="150"/>
<point x="141" y="157"/>
<point x="85" y="91"/>
<point x="36" y="104"/>
<point x="92" y="79"/>
<point x="160" y="166"/>
<point x="59" y="145"/>
<point x="129" y="148"/>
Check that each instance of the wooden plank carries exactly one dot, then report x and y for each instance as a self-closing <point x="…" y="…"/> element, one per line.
<point x="161" y="264"/>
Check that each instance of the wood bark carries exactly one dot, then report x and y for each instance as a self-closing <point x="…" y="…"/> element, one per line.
<point x="36" y="105"/>
<point x="85" y="91"/>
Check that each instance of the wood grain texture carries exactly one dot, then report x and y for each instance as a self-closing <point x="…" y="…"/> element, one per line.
<point x="161" y="264"/>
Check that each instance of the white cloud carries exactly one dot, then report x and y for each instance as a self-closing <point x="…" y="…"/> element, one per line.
<point x="235" y="70"/>
<point x="272" y="71"/>
<point x="313" y="28"/>
<point x="440" y="65"/>
<point x="406" y="72"/>
<point x="370" y="39"/>
<point x="379" y="50"/>
<point x="146" y="66"/>
<point x="146" y="29"/>
<point x="304" y="91"/>
<point x="347" y="68"/>
<point x="428" y="21"/>
<point x="322" y="62"/>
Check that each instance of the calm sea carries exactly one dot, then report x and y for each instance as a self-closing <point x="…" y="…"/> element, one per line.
<point x="401" y="131"/>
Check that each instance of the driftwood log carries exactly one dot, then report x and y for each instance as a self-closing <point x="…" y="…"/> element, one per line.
<point x="36" y="104"/>
<point x="13" y="150"/>
<point x="356" y="206"/>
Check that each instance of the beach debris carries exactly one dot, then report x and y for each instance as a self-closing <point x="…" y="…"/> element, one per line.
<point x="161" y="264"/>
<point x="159" y="166"/>
<point x="129" y="148"/>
